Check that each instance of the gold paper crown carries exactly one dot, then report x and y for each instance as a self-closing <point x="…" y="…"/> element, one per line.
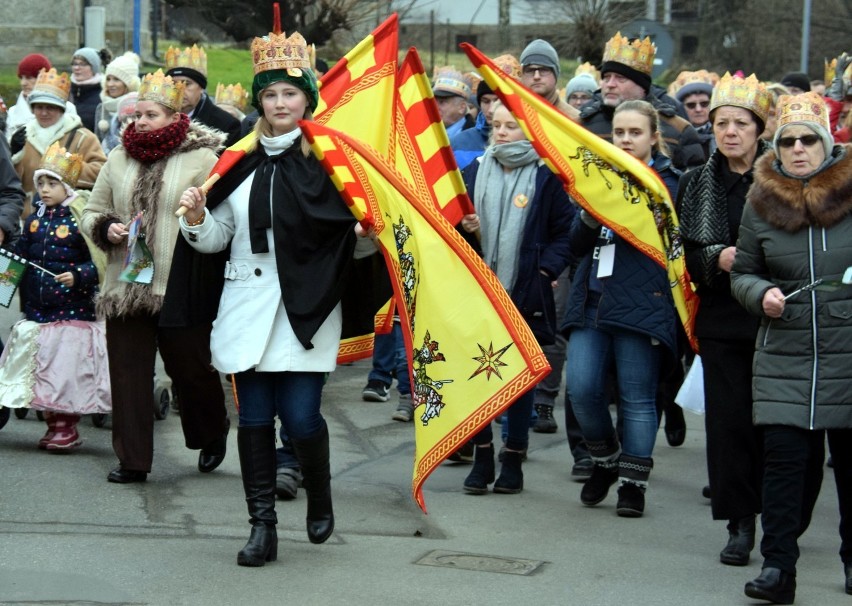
<point x="52" y="83"/>
<point x="748" y="93"/>
<point x="67" y="165"/>
<point x="277" y="51"/>
<point x="448" y="79"/>
<point x="831" y="71"/>
<point x="588" y="68"/>
<point x="509" y="64"/>
<point x="638" y="54"/>
<point x="474" y="79"/>
<point x="233" y="94"/>
<point x="807" y="107"/>
<point x="193" y="58"/>
<point x="702" y="76"/>
<point x="162" y="89"/>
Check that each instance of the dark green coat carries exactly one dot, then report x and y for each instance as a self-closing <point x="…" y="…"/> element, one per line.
<point x="792" y="233"/>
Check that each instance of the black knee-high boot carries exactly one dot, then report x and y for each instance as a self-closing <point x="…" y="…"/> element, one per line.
<point x="312" y="453"/>
<point x="256" y="446"/>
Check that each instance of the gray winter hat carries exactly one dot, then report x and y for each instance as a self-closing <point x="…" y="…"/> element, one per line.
<point x="540" y="52"/>
<point x="91" y="57"/>
<point x="584" y="83"/>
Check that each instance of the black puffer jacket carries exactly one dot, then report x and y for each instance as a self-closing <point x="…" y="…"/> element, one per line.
<point x="86" y="98"/>
<point x="680" y="136"/>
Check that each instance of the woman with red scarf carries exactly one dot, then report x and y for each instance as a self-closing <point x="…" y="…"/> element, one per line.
<point x="162" y="154"/>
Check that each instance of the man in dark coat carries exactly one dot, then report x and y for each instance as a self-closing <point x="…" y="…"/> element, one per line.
<point x="191" y="68"/>
<point x="622" y="82"/>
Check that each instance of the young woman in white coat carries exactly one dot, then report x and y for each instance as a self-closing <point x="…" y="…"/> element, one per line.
<point x="293" y="246"/>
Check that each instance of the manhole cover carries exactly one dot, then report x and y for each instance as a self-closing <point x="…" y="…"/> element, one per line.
<point x="479" y="562"/>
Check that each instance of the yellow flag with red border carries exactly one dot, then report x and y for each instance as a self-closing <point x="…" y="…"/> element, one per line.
<point x="620" y="191"/>
<point x="471" y="354"/>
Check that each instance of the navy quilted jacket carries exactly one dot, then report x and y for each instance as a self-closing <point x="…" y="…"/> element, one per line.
<point x="55" y="243"/>
<point x="637" y="295"/>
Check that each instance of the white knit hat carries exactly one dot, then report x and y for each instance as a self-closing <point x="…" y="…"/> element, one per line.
<point x="126" y="69"/>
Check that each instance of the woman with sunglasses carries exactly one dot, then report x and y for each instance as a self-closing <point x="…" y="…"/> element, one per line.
<point x="711" y="201"/>
<point x="797" y="229"/>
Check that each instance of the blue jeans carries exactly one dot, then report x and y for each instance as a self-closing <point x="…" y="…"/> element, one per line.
<point x="293" y="396"/>
<point x="389" y="358"/>
<point x="591" y="352"/>
<point x="517" y="424"/>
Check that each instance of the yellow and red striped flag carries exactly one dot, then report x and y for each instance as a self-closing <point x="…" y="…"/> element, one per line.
<point x="621" y="192"/>
<point x="363" y="83"/>
<point x="471" y="354"/>
<point x="422" y="152"/>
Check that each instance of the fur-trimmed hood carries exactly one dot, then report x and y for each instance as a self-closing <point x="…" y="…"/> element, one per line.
<point x="792" y="204"/>
<point x="200" y="135"/>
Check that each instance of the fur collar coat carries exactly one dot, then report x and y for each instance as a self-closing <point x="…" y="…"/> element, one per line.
<point x="126" y="186"/>
<point x="795" y="232"/>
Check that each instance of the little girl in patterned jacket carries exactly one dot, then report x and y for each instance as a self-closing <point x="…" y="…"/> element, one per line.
<point x="56" y="360"/>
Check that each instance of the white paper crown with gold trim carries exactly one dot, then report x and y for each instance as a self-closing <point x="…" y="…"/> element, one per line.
<point x="162" y="89"/>
<point x="448" y="82"/>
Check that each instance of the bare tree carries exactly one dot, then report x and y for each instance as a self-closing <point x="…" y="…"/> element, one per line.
<point x="764" y="36"/>
<point x="590" y="23"/>
<point x="316" y="20"/>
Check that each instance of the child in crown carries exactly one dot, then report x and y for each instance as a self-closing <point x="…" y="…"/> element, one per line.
<point x="56" y="359"/>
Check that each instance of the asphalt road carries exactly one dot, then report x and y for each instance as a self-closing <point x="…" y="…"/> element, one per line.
<point x="69" y="537"/>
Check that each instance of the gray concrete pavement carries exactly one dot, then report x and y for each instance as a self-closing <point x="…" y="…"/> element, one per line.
<point x="69" y="537"/>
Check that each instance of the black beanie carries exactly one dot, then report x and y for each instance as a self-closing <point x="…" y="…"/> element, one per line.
<point x="643" y="80"/>
<point x="190" y="73"/>
<point x="797" y="79"/>
<point x="482" y="89"/>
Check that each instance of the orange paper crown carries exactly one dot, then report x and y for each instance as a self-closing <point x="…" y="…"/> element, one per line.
<point x="193" y="58"/>
<point x="162" y="89"/>
<point x="509" y="64"/>
<point x="748" y="93"/>
<point x="50" y="82"/>
<point x="233" y="94"/>
<point x="64" y="164"/>
<point x="279" y="52"/>
<point x="807" y="107"/>
<point x="638" y="54"/>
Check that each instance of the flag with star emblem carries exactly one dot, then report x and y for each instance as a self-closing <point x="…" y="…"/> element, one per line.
<point x="620" y="191"/>
<point x="471" y="354"/>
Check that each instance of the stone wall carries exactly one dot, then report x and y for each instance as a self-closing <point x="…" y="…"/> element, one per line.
<point x="55" y="29"/>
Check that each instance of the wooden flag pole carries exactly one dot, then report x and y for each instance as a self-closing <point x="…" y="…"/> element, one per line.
<point x="205" y="187"/>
